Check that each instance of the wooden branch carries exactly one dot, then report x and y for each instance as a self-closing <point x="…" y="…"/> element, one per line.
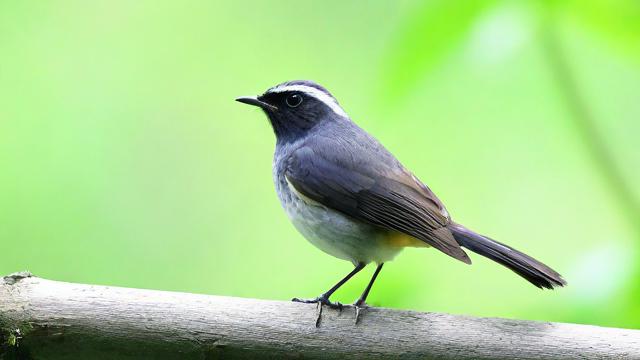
<point x="44" y="319"/>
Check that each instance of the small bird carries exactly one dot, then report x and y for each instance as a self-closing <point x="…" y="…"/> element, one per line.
<point x="351" y="198"/>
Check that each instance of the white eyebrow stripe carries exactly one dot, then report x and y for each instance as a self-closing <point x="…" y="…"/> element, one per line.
<point x="311" y="91"/>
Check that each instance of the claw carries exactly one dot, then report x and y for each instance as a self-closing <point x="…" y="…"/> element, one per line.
<point x="319" y="316"/>
<point x="359" y="306"/>
<point x="320" y="301"/>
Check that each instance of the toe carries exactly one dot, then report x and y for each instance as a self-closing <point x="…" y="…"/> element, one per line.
<point x="306" y="301"/>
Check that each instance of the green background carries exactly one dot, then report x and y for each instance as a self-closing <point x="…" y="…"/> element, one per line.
<point x="125" y="161"/>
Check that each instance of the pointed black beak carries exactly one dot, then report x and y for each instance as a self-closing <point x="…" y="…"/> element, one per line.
<point x="253" y="100"/>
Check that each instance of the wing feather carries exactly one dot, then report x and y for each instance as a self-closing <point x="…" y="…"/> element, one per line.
<point x="390" y="198"/>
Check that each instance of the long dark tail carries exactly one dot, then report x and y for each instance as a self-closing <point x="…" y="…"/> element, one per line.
<point x="522" y="264"/>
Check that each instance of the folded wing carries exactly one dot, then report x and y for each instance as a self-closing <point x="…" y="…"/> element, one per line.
<point x="390" y="198"/>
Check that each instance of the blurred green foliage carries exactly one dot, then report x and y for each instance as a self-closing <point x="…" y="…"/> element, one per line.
<point x="125" y="161"/>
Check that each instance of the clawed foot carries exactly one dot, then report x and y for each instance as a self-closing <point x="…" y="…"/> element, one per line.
<point x="320" y="301"/>
<point x="359" y="306"/>
<point x="323" y="300"/>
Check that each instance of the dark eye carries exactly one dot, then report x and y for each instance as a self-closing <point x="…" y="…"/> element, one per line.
<point x="293" y="100"/>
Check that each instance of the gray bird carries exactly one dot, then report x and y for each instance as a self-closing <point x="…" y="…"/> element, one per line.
<point x="351" y="198"/>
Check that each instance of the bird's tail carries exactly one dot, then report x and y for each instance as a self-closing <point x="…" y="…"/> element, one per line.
<point x="522" y="264"/>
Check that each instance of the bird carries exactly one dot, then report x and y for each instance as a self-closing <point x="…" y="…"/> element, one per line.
<point x="353" y="199"/>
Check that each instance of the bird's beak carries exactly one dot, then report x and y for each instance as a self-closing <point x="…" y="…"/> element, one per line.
<point x="253" y="100"/>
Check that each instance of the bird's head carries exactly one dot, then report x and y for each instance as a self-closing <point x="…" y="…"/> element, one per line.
<point x="295" y="107"/>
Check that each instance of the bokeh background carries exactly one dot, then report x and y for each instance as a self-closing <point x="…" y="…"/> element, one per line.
<point x="125" y="161"/>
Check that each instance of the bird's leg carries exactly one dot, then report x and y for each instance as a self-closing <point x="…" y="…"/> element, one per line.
<point x="361" y="302"/>
<point x="324" y="298"/>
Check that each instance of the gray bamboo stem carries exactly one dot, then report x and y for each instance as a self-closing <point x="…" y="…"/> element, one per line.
<point x="44" y="319"/>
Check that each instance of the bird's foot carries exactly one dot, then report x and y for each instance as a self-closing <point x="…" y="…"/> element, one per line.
<point x="359" y="306"/>
<point x="320" y="301"/>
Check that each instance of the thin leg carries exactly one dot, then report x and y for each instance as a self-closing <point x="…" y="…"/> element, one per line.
<point x="360" y="303"/>
<point x="324" y="298"/>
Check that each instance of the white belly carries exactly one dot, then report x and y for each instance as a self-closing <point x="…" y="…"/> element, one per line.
<point x="335" y="233"/>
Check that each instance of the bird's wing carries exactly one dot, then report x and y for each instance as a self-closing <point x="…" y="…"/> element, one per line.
<point x="389" y="197"/>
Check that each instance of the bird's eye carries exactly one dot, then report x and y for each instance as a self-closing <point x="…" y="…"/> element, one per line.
<point x="293" y="100"/>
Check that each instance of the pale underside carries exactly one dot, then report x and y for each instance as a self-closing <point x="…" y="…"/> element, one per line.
<point x="338" y="234"/>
